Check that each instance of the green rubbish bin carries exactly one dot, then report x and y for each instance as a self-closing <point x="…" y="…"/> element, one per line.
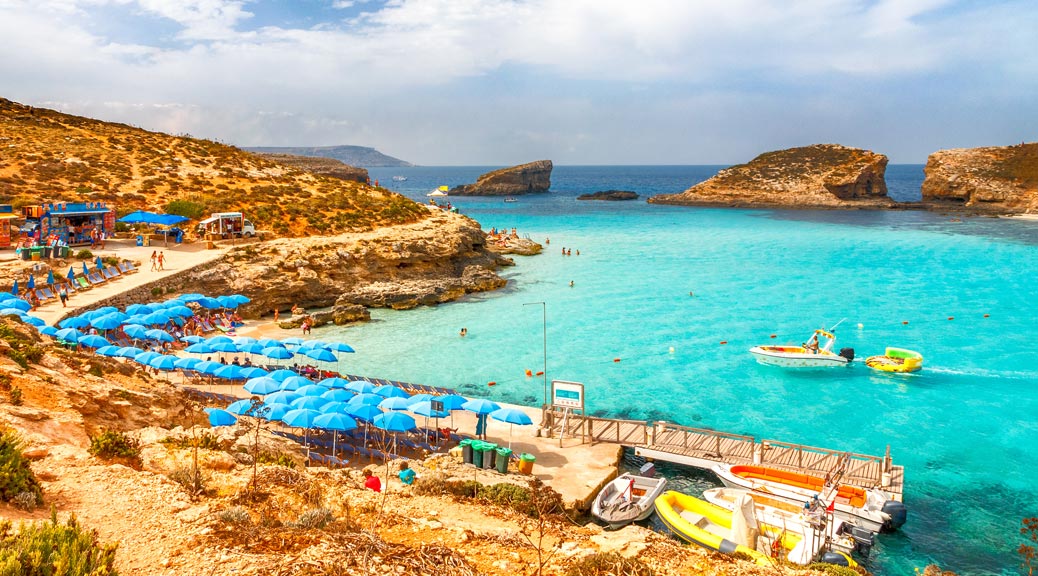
<point x="488" y="455"/>
<point x="503" y="455"/>
<point x="477" y="453"/>
<point x="64" y="251"/>
<point x="526" y="463"/>
<point x="466" y="450"/>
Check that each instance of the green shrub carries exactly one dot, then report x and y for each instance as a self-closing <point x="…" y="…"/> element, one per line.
<point x="186" y="208"/>
<point x="832" y="569"/>
<point x="50" y="548"/>
<point x="84" y="254"/>
<point x="607" y="564"/>
<point x="191" y="479"/>
<point x="16" y="396"/>
<point x="316" y="518"/>
<point x="276" y="458"/>
<point x="205" y="440"/>
<point x="110" y="444"/>
<point x="235" y="515"/>
<point x="17" y="476"/>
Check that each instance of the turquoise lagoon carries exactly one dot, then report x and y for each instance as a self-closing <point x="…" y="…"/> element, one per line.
<point x="660" y="287"/>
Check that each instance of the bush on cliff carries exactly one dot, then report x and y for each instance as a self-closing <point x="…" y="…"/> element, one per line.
<point x="16" y="477"/>
<point x="46" y="548"/>
<point x="112" y="445"/>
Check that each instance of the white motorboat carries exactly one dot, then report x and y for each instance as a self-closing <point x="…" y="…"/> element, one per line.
<point x="871" y="509"/>
<point x="628" y="498"/>
<point x="819" y="531"/>
<point x="817" y="352"/>
<point x="399" y="178"/>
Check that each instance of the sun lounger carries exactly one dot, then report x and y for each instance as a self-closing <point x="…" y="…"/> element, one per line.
<point x="95" y="278"/>
<point x="127" y="267"/>
<point x="112" y="272"/>
<point x="83" y="284"/>
<point x="45" y="293"/>
<point x="70" y="287"/>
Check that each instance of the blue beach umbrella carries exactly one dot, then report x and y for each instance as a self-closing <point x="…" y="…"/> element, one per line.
<point x="480" y="406"/>
<point x="208" y="367"/>
<point x="240" y="407"/>
<point x="394" y="404"/>
<point x="310" y="344"/>
<point x="368" y="399"/>
<point x="14" y="289"/>
<point x="106" y="322"/>
<point x="252" y="372"/>
<point x="99" y="264"/>
<point x="218" y="417"/>
<point x="320" y="354"/>
<point x="240" y="298"/>
<point x="293" y="341"/>
<point x="133" y="309"/>
<point x="282" y="374"/>
<point x="48" y="331"/>
<point x="210" y="303"/>
<point x="277" y="353"/>
<point x="68" y="335"/>
<point x="34" y="321"/>
<point x="32" y="282"/>
<point x="50" y="277"/>
<point x="190" y="297"/>
<point x="424" y="408"/>
<point x="334" y="382"/>
<point x="336" y="394"/>
<point x="135" y="331"/>
<point x="146" y="357"/>
<point x="339" y="347"/>
<point x="340" y="407"/>
<point x="93" y="341"/>
<point x="310" y="389"/>
<point x="452" y="401"/>
<point x="186" y="363"/>
<point x="158" y="317"/>
<point x="394" y="422"/>
<point x="11" y="312"/>
<point x="282" y="397"/>
<point x="228" y="372"/>
<point x="138" y="319"/>
<point x="309" y="402"/>
<point x="129" y="352"/>
<point x="71" y="272"/>
<point x="270" y="342"/>
<point x="336" y="423"/>
<point x="19" y="304"/>
<point x="180" y="310"/>
<point x="390" y="391"/>
<point x="224" y="347"/>
<point x="364" y="412"/>
<point x="274" y="411"/>
<point x="301" y="418"/>
<point x="199" y="348"/>
<point x="294" y="383"/>
<point x="513" y="416"/>
<point x="74" y="322"/>
<point x="227" y="302"/>
<point x="107" y="351"/>
<point x="85" y="269"/>
<point x="239" y="340"/>
<point x="105" y="310"/>
<point x="361" y="387"/>
<point x="262" y="385"/>
<point x="192" y="339"/>
<point x="158" y="335"/>
<point x="163" y="362"/>
<point x="251" y="348"/>
<point x="418" y="398"/>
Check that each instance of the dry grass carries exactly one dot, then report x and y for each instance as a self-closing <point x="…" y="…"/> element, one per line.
<point x="60" y="157"/>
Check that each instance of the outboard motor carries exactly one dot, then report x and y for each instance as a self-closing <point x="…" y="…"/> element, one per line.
<point x="847" y="353"/>
<point x="898" y="513"/>
<point x="863" y="539"/>
<point x="648" y="470"/>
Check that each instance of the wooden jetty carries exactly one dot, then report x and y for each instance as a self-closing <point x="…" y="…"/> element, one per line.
<point x="703" y="448"/>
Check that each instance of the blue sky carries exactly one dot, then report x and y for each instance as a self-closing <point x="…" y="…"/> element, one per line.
<point x="496" y="82"/>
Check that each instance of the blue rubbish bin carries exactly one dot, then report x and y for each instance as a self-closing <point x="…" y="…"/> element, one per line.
<point x="140" y="240"/>
<point x="179" y="235"/>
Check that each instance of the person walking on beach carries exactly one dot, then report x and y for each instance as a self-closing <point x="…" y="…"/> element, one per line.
<point x="162" y="259"/>
<point x="63" y="294"/>
<point x="276" y="313"/>
<point x="154" y="260"/>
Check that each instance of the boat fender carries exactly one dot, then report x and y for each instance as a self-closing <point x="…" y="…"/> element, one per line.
<point x="898" y="513"/>
<point x="838" y="558"/>
<point x="847" y="353"/>
<point x="529" y="373"/>
<point x="727" y="546"/>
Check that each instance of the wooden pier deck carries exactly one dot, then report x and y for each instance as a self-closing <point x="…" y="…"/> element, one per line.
<point x="704" y="448"/>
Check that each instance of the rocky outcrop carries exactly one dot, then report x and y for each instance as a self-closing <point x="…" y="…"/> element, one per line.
<point x="819" y="176"/>
<point x="522" y="179"/>
<point x="324" y="166"/>
<point x="610" y="195"/>
<point x="436" y="260"/>
<point x="1000" y="179"/>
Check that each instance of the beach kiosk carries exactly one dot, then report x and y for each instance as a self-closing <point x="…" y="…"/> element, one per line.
<point x="71" y="222"/>
<point x="7" y="217"/>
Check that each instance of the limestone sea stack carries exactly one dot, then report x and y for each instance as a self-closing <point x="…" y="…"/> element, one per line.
<point x="997" y="179"/>
<point x="521" y="179"/>
<point x="818" y="176"/>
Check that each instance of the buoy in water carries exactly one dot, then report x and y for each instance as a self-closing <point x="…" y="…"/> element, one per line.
<point x="860" y="325"/>
<point x="529" y="373"/>
<point x="904" y="322"/>
<point x="724" y="341"/>
<point x="671" y="350"/>
<point x="773" y="336"/>
<point x="491" y="383"/>
<point x="951" y="317"/>
<point x="987" y="315"/>
<point x="540" y="373"/>
<point x="616" y="359"/>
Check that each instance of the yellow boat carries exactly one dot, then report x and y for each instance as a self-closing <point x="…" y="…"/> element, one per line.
<point x="896" y="360"/>
<point x="700" y="522"/>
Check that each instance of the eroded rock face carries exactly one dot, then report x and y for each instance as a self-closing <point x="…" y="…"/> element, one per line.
<point x="522" y="179"/>
<point x="436" y="260"/>
<point x="1001" y="179"/>
<point x="818" y="176"/>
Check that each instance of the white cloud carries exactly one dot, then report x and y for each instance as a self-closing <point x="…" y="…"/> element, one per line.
<point x="504" y="74"/>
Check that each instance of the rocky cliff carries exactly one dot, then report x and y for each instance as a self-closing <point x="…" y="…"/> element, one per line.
<point x="611" y="195"/>
<point x="818" y="176"/>
<point x="439" y="259"/>
<point x="996" y="179"/>
<point x="351" y="155"/>
<point x="324" y="166"/>
<point x="522" y="179"/>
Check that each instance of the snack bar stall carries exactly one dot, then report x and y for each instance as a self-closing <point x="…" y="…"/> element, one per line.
<point x="71" y="222"/>
<point x="7" y="216"/>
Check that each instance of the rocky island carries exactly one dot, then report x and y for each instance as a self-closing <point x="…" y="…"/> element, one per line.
<point x="818" y="176"/>
<point x="613" y="195"/>
<point x="1002" y="179"/>
<point x="320" y="165"/>
<point x="522" y="179"/>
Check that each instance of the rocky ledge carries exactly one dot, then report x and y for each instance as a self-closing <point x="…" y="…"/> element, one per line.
<point x="325" y="166"/>
<point x="610" y="195"/>
<point x="1001" y="179"/>
<point x="436" y="260"/>
<point x="818" y="176"/>
<point x="522" y="179"/>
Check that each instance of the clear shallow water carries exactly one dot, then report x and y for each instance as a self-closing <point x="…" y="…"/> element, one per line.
<point x="966" y="428"/>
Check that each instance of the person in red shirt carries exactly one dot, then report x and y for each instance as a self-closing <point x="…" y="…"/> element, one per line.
<point x="371" y="481"/>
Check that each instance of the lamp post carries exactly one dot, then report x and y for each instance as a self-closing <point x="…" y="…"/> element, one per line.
<point x="544" y="334"/>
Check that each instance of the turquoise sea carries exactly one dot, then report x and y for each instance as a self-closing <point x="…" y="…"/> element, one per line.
<point x="650" y="279"/>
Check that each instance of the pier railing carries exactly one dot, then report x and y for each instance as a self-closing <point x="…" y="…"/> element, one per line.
<point x="859" y="469"/>
<point x="722" y="446"/>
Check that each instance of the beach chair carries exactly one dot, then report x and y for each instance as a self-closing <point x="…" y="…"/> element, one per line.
<point x="112" y="272"/>
<point x="83" y="284"/>
<point x="206" y="326"/>
<point x="127" y="267"/>
<point x="45" y="293"/>
<point x="95" y="278"/>
<point x="70" y="287"/>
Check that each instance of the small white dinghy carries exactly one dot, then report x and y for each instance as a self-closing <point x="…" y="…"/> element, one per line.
<point x="629" y="497"/>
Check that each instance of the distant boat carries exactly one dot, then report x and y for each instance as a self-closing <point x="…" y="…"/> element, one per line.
<point x="628" y="498"/>
<point x="816" y="352"/>
<point x="399" y="178"/>
<point x="510" y="199"/>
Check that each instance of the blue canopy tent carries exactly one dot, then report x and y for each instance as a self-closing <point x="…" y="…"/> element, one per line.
<point x="142" y="217"/>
